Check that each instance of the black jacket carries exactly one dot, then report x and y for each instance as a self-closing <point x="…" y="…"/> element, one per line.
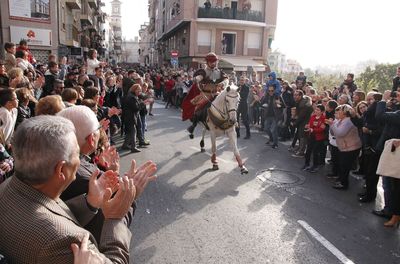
<point x="396" y="83"/>
<point x="130" y="108"/>
<point x="391" y="122"/>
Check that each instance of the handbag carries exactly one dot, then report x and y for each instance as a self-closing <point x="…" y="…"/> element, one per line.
<point x="389" y="160"/>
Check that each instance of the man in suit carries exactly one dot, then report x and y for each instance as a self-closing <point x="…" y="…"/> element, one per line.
<point x="35" y="225"/>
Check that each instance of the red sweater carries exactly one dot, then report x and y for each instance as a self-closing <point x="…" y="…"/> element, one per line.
<point x="169" y="85"/>
<point x="318" y="127"/>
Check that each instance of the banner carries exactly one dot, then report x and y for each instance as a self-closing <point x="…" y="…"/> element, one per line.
<point x="34" y="36"/>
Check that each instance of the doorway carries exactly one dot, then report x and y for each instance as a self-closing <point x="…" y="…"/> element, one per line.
<point x="228" y="43"/>
<point x="234" y="5"/>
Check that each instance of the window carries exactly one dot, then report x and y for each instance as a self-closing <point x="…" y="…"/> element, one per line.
<point x="204" y="37"/>
<point x="254" y="40"/>
<point x="257" y="5"/>
<point x="63" y="18"/>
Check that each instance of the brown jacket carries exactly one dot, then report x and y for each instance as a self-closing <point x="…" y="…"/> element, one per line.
<point x="37" y="229"/>
<point x="10" y="61"/>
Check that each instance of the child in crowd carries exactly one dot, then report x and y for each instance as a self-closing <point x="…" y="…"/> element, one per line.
<point x="316" y="132"/>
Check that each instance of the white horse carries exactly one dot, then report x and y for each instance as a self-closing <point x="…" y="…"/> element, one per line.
<point x="221" y="120"/>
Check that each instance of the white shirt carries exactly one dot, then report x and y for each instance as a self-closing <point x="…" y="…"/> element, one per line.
<point x="7" y="122"/>
<point x="91" y="65"/>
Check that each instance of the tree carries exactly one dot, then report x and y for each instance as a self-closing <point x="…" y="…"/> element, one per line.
<point x="379" y="78"/>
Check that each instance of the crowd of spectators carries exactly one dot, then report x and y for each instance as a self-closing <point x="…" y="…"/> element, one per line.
<point x="62" y="199"/>
<point x="351" y="124"/>
<point x="59" y="167"/>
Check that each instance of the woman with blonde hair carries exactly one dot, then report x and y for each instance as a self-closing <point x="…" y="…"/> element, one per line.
<point x="49" y="105"/>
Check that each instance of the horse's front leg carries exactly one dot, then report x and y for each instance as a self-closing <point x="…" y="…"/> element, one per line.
<point x="202" y="140"/>
<point x="233" y="142"/>
<point x="214" y="151"/>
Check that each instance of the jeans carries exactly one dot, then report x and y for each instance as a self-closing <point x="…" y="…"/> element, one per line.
<point x="144" y="124"/>
<point x="242" y="112"/>
<point x="271" y="127"/>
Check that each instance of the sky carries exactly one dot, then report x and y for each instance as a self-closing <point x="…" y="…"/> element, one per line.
<point x="317" y="32"/>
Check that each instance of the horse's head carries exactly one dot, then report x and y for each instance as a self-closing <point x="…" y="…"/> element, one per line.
<point x="232" y="98"/>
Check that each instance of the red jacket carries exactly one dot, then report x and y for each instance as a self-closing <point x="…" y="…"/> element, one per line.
<point x="318" y="127"/>
<point x="169" y="85"/>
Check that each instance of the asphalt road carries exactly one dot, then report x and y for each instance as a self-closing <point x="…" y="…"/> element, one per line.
<point x="192" y="214"/>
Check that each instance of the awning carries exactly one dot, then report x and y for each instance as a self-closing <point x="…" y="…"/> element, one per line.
<point x="240" y="64"/>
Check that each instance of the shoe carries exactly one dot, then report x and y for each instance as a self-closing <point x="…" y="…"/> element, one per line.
<point x="125" y="147"/>
<point x="268" y="142"/>
<point x="291" y="149"/>
<point x="135" y="150"/>
<point x="331" y="176"/>
<point x="247" y="137"/>
<point x="274" y="146"/>
<point x="305" y="167"/>
<point x="298" y="155"/>
<point x="190" y="129"/>
<point x="339" y="186"/>
<point x="150" y="114"/>
<point x="393" y="222"/>
<point x="144" y="143"/>
<point x="382" y="213"/>
<point x="313" y="169"/>
<point x="365" y="199"/>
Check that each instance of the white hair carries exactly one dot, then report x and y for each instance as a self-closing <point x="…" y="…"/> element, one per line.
<point x="39" y="144"/>
<point x="84" y="120"/>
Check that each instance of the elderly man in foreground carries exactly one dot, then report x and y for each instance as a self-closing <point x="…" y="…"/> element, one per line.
<point x="35" y="225"/>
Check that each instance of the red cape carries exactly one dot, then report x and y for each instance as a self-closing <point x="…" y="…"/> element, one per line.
<point x="187" y="107"/>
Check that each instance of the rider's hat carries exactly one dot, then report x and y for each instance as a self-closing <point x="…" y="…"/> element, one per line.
<point x="211" y="57"/>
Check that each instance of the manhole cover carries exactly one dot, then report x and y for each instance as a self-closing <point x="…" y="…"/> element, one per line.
<point x="280" y="178"/>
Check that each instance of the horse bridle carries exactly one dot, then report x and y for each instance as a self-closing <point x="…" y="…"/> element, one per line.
<point x="219" y="111"/>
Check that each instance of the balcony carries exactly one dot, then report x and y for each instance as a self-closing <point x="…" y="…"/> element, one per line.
<point x="72" y="38"/>
<point x="221" y="13"/>
<point x="86" y="20"/>
<point x="92" y="3"/>
<point x="73" y="4"/>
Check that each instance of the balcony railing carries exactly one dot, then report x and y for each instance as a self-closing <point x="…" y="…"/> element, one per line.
<point x="222" y="13"/>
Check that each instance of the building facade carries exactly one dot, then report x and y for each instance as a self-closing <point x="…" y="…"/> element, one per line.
<point x="115" y="24"/>
<point x="35" y="21"/>
<point x="63" y="27"/>
<point x="130" y="51"/>
<point x="239" y="32"/>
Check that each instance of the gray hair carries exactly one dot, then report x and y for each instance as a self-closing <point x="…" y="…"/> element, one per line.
<point x="39" y="144"/>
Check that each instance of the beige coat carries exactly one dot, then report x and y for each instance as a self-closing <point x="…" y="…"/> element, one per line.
<point x="37" y="229"/>
<point x="346" y="134"/>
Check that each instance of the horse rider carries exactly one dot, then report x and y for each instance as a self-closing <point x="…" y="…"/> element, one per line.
<point x="208" y="83"/>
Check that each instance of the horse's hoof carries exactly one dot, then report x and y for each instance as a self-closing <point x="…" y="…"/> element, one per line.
<point x="244" y="170"/>
<point x="202" y="150"/>
<point x="191" y="136"/>
<point x="215" y="167"/>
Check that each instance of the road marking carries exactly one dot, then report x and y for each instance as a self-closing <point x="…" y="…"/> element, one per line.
<point x="328" y="245"/>
<point x="219" y="159"/>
